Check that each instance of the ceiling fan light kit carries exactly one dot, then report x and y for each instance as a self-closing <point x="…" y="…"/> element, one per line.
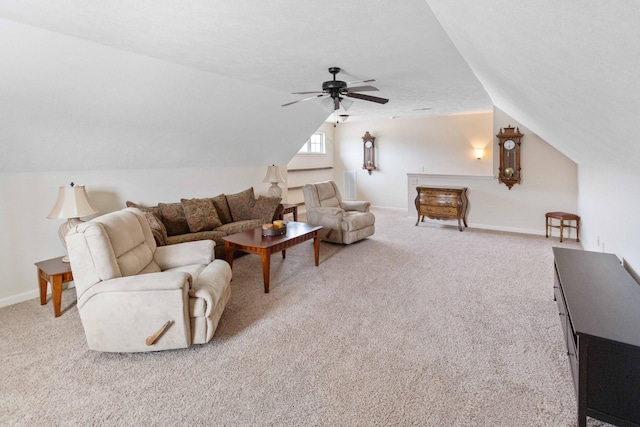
<point x="334" y="93"/>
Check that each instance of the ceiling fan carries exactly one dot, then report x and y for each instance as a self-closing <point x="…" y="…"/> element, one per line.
<point x="334" y="91"/>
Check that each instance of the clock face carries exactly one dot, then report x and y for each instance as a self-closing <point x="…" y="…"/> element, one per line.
<point x="509" y="144"/>
<point x="368" y="144"/>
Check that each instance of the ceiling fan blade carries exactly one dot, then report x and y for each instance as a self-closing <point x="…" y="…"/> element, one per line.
<point x="307" y="93"/>
<point x="361" y="89"/>
<point x="303" y="99"/>
<point x="367" y="97"/>
<point x="362" y="81"/>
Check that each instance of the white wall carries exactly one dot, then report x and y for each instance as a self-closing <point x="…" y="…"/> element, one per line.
<point x="70" y="104"/>
<point x="608" y="206"/>
<point x="443" y="146"/>
<point x="436" y="145"/>
<point x="304" y="168"/>
<point x="26" y="199"/>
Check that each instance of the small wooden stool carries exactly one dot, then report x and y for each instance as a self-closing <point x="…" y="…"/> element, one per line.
<point x="562" y="217"/>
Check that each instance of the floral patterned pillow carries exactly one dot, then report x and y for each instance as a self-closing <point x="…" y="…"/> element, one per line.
<point x="201" y="214"/>
<point x="265" y="208"/>
<point x="152" y="209"/>
<point x="241" y="204"/>
<point x="152" y="215"/>
<point x="174" y="218"/>
<point x="222" y="208"/>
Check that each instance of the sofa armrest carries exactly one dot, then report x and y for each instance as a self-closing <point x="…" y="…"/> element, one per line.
<point x="356" y="205"/>
<point x="187" y="253"/>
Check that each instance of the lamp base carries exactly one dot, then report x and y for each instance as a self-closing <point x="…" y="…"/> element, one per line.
<point x="275" y="190"/>
<point x="64" y="229"/>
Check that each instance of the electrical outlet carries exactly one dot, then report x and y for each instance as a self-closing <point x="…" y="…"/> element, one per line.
<point x="421" y="169"/>
<point x="598" y="241"/>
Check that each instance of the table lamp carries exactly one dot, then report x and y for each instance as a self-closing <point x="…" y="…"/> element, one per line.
<point x="274" y="177"/>
<point x="72" y="203"/>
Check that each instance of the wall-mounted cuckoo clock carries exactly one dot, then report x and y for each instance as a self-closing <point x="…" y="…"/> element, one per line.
<point x="509" y="140"/>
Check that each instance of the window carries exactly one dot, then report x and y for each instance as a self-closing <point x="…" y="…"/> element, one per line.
<point x="315" y="145"/>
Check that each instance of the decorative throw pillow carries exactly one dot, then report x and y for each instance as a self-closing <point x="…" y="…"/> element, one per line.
<point x="201" y="214"/>
<point x="222" y="208"/>
<point x="174" y="218"/>
<point x="152" y="209"/>
<point x="157" y="228"/>
<point x="265" y="208"/>
<point x="152" y="215"/>
<point x="241" y="204"/>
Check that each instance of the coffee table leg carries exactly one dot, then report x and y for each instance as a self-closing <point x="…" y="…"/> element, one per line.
<point x="228" y="254"/>
<point x="266" y="265"/>
<point x="316" y="249"/>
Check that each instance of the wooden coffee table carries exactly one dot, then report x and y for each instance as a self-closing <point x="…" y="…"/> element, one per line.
<point x="253" y="242"/>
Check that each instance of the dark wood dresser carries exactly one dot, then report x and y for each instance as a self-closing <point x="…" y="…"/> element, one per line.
<point x="599" y="306"/>
<point x="442" y="203"/>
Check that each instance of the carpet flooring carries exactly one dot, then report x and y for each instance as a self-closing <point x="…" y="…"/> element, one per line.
<point x="414" y="326"/>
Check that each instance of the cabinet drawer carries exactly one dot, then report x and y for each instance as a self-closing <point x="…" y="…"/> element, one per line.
<point x="444" y="193"/>
<point x="439" y="211"/>
<point x="572" y="354"/>
<point x="562" y="310"/>
<point x="439" y="201"/>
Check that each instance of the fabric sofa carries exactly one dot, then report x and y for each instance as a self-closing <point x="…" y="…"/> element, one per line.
<point x="128" y="288"/>
<point x="209" y="218"/>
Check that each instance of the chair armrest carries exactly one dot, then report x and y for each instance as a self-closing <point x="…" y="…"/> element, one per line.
<point x="187" y="253"/>
<point x="118" y="315"/>
<point x="327" y="217"/>
<point x="151" y="282"/>
<point x="356" y="205"/>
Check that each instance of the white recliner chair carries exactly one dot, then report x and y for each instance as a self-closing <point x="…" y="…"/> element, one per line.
<point x="127" y="288"/>
<point x="343" y="221"/>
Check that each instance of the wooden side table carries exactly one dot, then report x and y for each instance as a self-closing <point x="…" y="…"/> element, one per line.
<point x="56" y="272"/>
<point x="290" y="208"/>
<point x="562" y="217"/>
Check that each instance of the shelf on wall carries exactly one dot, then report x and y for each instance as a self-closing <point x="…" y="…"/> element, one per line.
<point x="310" y="169"/>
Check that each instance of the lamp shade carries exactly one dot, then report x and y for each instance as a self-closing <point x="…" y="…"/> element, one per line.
<point x="273" y="174"/>
<point x="72" y="202"/>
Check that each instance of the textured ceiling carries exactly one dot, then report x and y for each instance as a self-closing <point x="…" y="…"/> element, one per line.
<point x="567" y="70"/>
<point x="154" y="83"/>
<point x="283" y="45"/>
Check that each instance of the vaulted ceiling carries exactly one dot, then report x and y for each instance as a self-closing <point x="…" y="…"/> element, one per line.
<point x="146" y="84"/>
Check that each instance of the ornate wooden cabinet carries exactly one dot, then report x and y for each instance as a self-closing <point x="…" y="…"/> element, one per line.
<point x="599" y="306"/>
<point x="442" y="203"/>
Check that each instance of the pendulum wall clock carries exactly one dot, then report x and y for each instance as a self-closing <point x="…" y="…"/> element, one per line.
<point x="368" y="144"/>
<point x="509" y="141"/>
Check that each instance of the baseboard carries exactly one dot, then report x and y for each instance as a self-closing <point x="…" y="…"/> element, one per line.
<point x="486" y="227"/>
<point x="507" y="229"/>
<point x="454" y="222"/>
<point x="388" y="208"/>
<point x="15" y="299"/>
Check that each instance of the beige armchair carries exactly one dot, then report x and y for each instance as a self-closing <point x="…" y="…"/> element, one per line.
<point x="343" y="221"/>
<point x="127" y="288"/>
